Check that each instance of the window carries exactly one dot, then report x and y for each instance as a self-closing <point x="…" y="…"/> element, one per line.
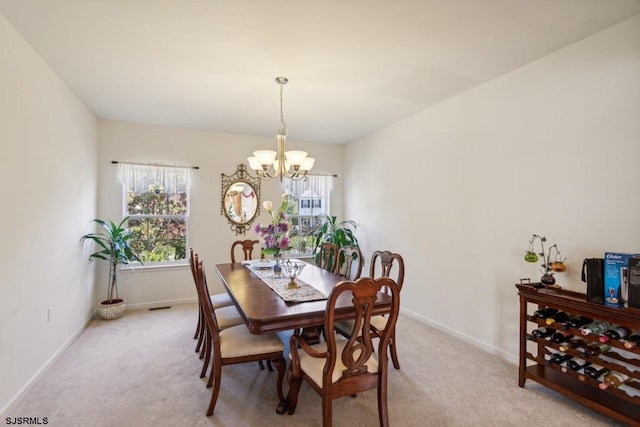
<point x="309" y="203"/>
<point x="156" y="199"/>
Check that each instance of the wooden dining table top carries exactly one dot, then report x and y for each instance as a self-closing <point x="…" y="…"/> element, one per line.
<point x="264" y="311"/>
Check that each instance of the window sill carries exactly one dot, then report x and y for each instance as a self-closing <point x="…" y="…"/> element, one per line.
<point x="153" y="268"/>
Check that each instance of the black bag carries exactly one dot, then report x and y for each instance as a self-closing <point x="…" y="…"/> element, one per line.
<point x="593" y="276"/>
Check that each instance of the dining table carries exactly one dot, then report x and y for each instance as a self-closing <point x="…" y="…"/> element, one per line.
<point x="265" y="311"/>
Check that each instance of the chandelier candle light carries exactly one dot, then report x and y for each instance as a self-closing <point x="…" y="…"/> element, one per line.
<point x="291" y="164"/>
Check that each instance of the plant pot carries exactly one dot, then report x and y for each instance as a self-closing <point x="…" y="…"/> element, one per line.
<point x="113" y="309"/>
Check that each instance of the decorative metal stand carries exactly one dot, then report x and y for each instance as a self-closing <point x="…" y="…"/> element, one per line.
<point x="549" y="267"/>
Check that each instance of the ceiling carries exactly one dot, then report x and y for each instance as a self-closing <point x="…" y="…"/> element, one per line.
<point x="354" y="66"/>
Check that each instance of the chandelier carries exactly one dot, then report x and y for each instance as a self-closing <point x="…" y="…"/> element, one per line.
<point x="291" y="164"/>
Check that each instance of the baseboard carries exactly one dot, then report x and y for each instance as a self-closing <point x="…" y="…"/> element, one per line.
<point x="155" y="304"/>
<point x="511" y="358"/>
<point x="49" y="362"/>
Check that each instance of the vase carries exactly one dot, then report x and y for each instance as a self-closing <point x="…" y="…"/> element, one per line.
<point x="112" y="309"/>
<point x="548" y="279"/>
<point x="277" y="266"/>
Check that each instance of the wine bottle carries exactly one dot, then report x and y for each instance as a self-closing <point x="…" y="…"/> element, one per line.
<point x="632" y="341"/>
<point x="597" y="348"/>
<point x="541" y="333"/>
<point x="543" y="313"/>
<point x="559" y="317"/>
<point x="614" y="333"/>
<point x="576" y="364"/>
<point x="560" y="337"/>
<point x="558" y="358"/>
<point x="595" y="327"/>
<point x="595" y="371"/>
<point x="574" y="342"/>
<point x="578" y="321"/>
<point x="613" y="379"/>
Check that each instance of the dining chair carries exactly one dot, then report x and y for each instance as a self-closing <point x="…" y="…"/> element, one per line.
<point x="343" y="367"/>
<point x="247" y="248"/>
<point x="327" y="255"/>
<point x="227" y="313"/>
<point x="349" y="262"/>
<point x="234" y="345"/>
<point x="383" y="264"/>
<point x="247" y="251"/>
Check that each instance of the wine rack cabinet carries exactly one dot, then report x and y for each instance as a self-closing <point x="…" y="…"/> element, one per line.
<point x="534" y="365"/>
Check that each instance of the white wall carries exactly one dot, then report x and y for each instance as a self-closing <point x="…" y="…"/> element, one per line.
<point x="48" y="170"/>
<point x="210" y="233"/>
<point x="552" y="148"/>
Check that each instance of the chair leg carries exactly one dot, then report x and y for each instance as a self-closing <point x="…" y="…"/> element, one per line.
<point x="269" y="365"/>
<point x="206" y="351"/>
<point x="211" y="379"/>
<point x="294" y="388"/>
<point x="197" y="333"/>
<point x="383" y="413"/>
<point x="216" y="374"/>
<point x="327" y="415"/>
<point x="201" y="333"/>
<point x="392" y="349"/>
<point x="261" y="365"/>
<point x="281" y="365"/>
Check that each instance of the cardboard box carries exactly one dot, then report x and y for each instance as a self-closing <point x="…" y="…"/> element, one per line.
<point x="616" y="270"/>
<point x="634" y="282"/>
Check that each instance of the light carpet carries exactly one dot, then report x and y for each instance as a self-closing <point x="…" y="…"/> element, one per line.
<point x="141" y="370"/>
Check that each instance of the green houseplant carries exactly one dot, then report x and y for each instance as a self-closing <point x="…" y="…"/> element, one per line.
<point x="331" y="231"/>
<point x="113" y="242"/>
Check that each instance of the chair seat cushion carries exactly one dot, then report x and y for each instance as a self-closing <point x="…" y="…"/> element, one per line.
<point x="314" y="366"/>
<point x="379" y="322"/>
<point x="228" y="317"/>
<point x="237" y="341"/>
<point x="221" y="300"/>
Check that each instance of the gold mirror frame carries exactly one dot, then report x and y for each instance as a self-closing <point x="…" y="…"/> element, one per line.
<point x="240" y="208"/>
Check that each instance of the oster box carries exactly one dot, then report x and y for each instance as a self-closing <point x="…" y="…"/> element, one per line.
<point x="616" y="274"/>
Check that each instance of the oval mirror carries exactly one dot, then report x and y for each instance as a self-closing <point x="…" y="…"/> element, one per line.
<point x="240" y="199"/>
<point x="240" y="202"/>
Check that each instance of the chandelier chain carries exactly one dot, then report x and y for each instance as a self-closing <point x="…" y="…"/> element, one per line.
<point x="283" y="126"/>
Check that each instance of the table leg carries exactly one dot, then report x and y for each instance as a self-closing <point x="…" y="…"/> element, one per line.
<point x="311" y="334"/>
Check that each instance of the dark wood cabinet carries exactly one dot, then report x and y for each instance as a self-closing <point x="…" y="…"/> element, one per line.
<point x="535" y="352"/>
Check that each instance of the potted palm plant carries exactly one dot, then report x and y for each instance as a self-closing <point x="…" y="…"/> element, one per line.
<point x="113" y="242"/>
<point x="331" y="231"/>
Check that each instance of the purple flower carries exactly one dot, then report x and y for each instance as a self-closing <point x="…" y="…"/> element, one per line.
<point x="275" y="236"/>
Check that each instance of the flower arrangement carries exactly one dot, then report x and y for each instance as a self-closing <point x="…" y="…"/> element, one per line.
<point x="275" y="236"/>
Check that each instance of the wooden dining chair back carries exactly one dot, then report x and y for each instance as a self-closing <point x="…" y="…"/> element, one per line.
<point x="387" y="264"/>
<point x="247" y="249"/>
<point x="199" y="334"/>
<point x="383" y="264"/>
<point x="349" y="262"/>
<point x="342" y="367"/>
<point x="327" y="256"/>
<point x="234" y="345"/>
<point x="219" y="301"/>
